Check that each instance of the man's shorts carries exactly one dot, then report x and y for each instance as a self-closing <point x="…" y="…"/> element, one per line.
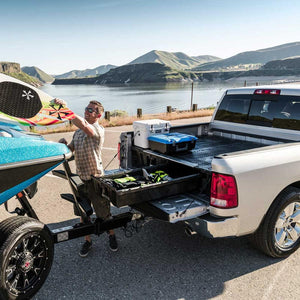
<point x="101" y="205"/>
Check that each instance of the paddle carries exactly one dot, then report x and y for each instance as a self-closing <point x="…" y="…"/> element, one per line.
<point x="28" y="105"/>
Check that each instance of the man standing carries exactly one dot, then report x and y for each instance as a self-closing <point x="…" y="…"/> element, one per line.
<point x="87" y="144"/>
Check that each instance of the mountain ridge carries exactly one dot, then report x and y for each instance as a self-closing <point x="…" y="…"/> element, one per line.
<point x="257" y="57"/>
<point x="291" y="63"/>
<point x="13" y="69"/>
<point x="175" y="60"/>
<point x="163" y="66"/>
<point x="135" y="73"/>
<point x="86" y="73"/>
<point x="38" y="73"/>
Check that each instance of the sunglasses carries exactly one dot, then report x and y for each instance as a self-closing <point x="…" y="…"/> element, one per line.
<point x="90" y="110"/>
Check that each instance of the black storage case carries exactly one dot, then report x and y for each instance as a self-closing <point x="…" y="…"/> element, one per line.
<point x="171" y="143"/>
<point x="184" y="179"/>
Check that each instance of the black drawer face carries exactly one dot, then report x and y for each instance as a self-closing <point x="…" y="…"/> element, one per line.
<point x="180" y="180"/>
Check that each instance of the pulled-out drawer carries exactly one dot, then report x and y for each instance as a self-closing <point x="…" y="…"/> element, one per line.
<point x="176" y="208"/>
<point x="182" y="179"/>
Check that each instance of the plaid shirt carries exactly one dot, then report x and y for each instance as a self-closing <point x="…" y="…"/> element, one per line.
<point x="88" y="152"/>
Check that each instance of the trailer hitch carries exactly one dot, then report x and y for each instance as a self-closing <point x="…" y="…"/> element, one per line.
<point x="97" y="227"/>
<point x="137" y="223"/>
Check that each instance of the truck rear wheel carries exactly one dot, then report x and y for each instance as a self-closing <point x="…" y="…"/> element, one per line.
<point x="279" y="233"/>
<point x="26" y="254"/>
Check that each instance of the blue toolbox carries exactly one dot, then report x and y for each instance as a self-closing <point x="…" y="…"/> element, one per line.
<point x="169" y="143"/>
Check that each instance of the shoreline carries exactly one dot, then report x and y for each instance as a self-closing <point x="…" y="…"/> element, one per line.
<point x="123" y="121"/>
<point x="273" y="79"/>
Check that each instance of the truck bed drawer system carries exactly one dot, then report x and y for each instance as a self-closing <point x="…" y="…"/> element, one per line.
<point x="183" y="179"/>
<point x="176" y="208"/>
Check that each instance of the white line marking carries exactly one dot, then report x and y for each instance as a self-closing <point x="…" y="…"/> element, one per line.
<point x="53" y="176"/>
<point x="118" y="131"/>
<point x="276" y="279"/>
<point x="106" y="148"/>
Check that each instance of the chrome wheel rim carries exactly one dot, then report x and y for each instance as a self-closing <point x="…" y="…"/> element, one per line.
<point x="26" y="263"/>
<point x="287" y="226"/>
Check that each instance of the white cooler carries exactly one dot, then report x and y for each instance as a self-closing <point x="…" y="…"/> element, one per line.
<point x="144" y="129"/>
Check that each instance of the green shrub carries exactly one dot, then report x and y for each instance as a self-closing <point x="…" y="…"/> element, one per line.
<point x="118" y="113"/>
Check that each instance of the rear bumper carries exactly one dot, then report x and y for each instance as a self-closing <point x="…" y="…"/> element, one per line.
<point x="212" y="227"/>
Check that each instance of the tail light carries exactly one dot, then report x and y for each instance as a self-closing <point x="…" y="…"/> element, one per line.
<point x="266" y="92"/>
<point x="223" y="191"/>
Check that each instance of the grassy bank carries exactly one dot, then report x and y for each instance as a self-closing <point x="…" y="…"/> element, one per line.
<point x="120" y="121"/>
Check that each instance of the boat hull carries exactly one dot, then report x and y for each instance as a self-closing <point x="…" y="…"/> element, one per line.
<point x="24" y="159"/>
<point x="15" y="179"/>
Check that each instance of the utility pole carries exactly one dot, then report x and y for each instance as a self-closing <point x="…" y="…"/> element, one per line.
<point x="192" y="95"/>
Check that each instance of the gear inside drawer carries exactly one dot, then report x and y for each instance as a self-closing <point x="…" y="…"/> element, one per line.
<point x="147" y="184"/>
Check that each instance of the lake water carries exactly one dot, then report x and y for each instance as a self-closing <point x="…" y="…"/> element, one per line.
<point x="151" y="98"/>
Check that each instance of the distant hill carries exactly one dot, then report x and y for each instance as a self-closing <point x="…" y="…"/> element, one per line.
<point x="252" y="59"/>
<point x="176" y="60"/>
<point x="9" y="67"/>
<point x="38" y="73"/>
<point x="291" y="63"/>
<point x="283" y="67"/>
<point x="206" y="58"/>
<point x="135" y="73"/>
<point x="13" y="69"/>
<point x="86" y="73"/>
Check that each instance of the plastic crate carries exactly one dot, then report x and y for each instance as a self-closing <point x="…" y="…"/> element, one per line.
<point x="144" y="129"/>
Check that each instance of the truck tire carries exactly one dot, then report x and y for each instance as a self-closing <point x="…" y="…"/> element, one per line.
<point x="26" y="255"/>
<point x="279" y="233"/>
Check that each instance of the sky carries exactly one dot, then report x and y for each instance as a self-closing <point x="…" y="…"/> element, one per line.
<point x="58" y="36"/>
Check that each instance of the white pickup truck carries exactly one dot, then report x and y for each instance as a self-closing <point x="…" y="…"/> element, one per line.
<point x="242" y="177"/>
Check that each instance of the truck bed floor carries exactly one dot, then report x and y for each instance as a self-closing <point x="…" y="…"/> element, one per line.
<point x="206" y="148"/>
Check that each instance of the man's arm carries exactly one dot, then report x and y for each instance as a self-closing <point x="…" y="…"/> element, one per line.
<point x="78" y="121"/>
<point x="83" y="125"/>
<point x="64" y="141"/>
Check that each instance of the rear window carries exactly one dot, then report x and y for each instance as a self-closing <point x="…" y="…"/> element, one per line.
<point x="264" y="110"/>
<point x="234" y="108"/>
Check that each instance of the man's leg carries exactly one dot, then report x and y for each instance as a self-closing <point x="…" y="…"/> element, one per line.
<point x="102" y="208"/>
<point x="113" y="244"/>
<point x="87" y="245"/>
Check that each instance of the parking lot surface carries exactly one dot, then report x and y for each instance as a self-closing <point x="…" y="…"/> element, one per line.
<point x="159" y="261"/>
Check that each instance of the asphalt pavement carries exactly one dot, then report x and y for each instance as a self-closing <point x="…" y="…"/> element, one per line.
<point x="159" y="261"/>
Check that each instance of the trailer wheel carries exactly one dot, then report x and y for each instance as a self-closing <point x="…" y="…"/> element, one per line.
<point x="26" y="255"/>
<point x="279" y="233"/>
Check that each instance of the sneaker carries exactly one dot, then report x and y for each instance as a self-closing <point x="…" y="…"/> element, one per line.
<point x="113" y="245"/>
<point x="85" y="249"/>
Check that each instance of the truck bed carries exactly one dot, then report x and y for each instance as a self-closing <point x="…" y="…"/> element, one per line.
<point x="206" y="148"/>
